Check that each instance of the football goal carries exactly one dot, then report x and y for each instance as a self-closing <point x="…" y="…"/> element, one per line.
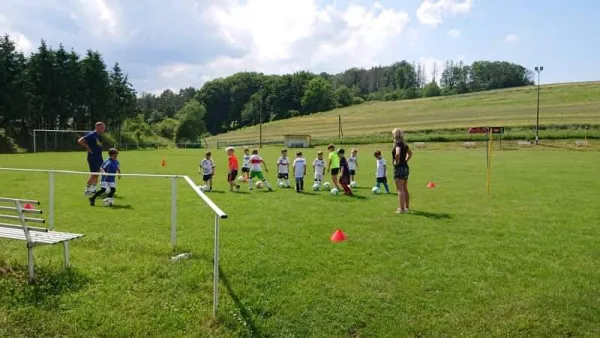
<point x="56" y="140"/>
<point x="67" y="179"/>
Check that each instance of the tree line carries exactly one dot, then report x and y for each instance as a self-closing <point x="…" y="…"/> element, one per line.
<point x="60" y="89"/>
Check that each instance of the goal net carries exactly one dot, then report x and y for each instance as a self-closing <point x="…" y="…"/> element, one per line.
<point x="45" y="140"/>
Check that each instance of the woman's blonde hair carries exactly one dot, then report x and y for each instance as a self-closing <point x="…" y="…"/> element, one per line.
<point x="398" y="135"/>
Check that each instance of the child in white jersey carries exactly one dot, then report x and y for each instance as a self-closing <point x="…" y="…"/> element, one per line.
<point x="207" y="168"/>
<point x="256" y="163"/>
<point x="299" y="168"/>
<point x="246" y="164"/>
<point x="353" y="163"/>
<point x="319" y="168"/>
<point x="381" y="175"/>
<point x="283" y="169"/>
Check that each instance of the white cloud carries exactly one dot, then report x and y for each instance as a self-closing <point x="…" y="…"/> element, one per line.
<point x="21" y="41"/>
<point x="454" y="33"/>
<point x="99" y="16"/>
<point x="511" y="38"/>
<point x="433" y="13"/>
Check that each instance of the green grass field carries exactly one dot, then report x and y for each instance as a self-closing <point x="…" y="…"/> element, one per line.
<point x="523" y="262"/>
<point x="569" y="103"/>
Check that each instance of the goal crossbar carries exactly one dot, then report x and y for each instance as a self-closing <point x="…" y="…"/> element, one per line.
<point x="219" y="214"/>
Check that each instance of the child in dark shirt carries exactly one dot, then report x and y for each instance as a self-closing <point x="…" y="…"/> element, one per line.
<point x="344" y="173"/>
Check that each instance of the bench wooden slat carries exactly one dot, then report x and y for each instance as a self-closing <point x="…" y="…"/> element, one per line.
<point x="50" y="237"/>
<point x="28" y="211"/>
<point x="27" y="219"/>
<point x="19" y="226"/>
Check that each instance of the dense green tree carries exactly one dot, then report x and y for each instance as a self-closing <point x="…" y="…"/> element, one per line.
<point x="191" y="122"/>
<point x="318" y="96"/>
<point x="344" y="96"/>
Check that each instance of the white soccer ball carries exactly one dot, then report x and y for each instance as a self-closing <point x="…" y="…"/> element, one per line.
<point x="108" y="202"/>
<point x="240" y="178"/>
<point x="334" y="191"/>
<point x="316" y="187"/>
<point x="259" y="185"/>
<point x="326" y="186"/>
<point x="375" y="190"/>
<point x="353" y="184"/>
<point x="282" y="184"/>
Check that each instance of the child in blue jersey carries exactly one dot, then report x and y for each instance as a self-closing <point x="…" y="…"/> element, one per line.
<point x="110" y="166"/>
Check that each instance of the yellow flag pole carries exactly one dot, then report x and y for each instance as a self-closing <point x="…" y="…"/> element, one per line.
<point x="489" y="164"/>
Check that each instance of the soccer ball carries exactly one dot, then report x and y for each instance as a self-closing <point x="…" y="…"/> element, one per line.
<point x="334" y="191"/>
<point x="326" y="186"/>
<point x="353" y="184"/>
<point x="108" y="202"/>
<point x="240" y="178"/>
<point x="259" y="185"/>
<point x="282" y="185"/>
<point x="316" y="187"/>
<point x="375" y="190"/>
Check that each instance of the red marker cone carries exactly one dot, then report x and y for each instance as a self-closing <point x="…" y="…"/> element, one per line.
<point x="430" y="185"/>
<point x="338" y="236"/>
<point x="28" y="206"/>
<point x="163" y="163"/>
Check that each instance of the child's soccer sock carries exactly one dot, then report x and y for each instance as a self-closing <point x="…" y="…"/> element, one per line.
<point x="302" y="184"/>
<point x="387" y="187"/>
<point x="98" y="193"/>
<point x="297" y="186"/>
<point x="267" y="184"/>
<point x="250" y="183"/>
<point x="111" y="193"/>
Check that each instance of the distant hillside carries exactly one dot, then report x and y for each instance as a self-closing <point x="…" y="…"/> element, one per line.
<point x="565" y="103"/>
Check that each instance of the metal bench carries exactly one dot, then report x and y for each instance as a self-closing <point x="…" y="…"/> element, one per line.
<point x="14" y="224"/>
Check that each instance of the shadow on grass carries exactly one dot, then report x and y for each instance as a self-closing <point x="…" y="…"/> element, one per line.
<point x="358" y="197"/>
<point x="560" y="147"/>
<point x="247" y="317"/>
<point x="119" y="206"/>
<point x="432" y="215"/>
<point x="216" y="192"/>
<point x="47" y="288"/>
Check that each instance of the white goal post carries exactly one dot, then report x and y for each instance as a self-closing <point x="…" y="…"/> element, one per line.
<point x="219" y="214"/>
<point x="35" y="131"/>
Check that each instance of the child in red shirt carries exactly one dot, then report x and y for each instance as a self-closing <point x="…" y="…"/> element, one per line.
<point x="232" y="169"/>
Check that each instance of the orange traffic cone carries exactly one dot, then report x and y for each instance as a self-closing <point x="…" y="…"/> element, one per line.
<point x="163" y="162"/>
<point x="430" y="185"/>
<point x="28" y="206"/>
<point x="338" y="236"/>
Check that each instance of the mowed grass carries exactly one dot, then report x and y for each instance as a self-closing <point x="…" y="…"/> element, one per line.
<point x="524" y="261"/>
<point x="569" y="103"/>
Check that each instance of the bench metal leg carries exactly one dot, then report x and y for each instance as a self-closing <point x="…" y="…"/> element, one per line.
<point x="66" y="253"/>
<point x="30" y="263"/>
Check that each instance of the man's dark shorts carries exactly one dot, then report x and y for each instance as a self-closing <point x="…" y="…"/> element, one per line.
<point x="335" y="171"/>
<point x="401" y="172"/>
<point x="94" y="162"/>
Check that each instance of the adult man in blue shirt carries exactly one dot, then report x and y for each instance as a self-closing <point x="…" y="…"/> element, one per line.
<point x="92" y="142"/>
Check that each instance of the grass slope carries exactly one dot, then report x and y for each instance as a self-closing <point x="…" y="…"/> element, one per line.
<point x="523" y="262"/>
<point x="560" y="104"/>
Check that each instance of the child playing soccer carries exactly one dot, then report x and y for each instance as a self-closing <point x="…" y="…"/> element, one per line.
<point x="207" y="167"/>
<point x="233" y="169"/>
<point x="110" y="166"/>
<point x="299" y="168"/>
<point x="353" y="163"/>
<point x="256" y="163"/>
<point x="381" y="174"/>
<point x="344" y="173"/>
<point x="246" y="165"/>
<point x="319" y="168"/>
<point x="283" y="169"/>
<point x="333" y="165"/>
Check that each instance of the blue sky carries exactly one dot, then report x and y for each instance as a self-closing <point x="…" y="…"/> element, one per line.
<point x="173" y="44"/>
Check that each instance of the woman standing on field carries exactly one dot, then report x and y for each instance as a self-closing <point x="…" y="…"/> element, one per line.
<point x="401" y="154"/>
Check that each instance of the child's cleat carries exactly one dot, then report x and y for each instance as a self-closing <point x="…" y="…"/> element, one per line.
<point x="92" y="201"/>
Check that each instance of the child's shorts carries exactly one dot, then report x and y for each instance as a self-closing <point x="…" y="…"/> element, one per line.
<point x="382" y="180"/>
<point x="257" y="174"/>
<point x="318" y="177"/>
<point x="299" y="179"/>
<point x="352" y="172"/>
<point x="245" y="170"/>
<point x="282" y="176"/>
<point x="232" y="175"/>
<point x="207" y="177"/>
<point x="108" y="185"/>
<point x="335" y="171"/>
